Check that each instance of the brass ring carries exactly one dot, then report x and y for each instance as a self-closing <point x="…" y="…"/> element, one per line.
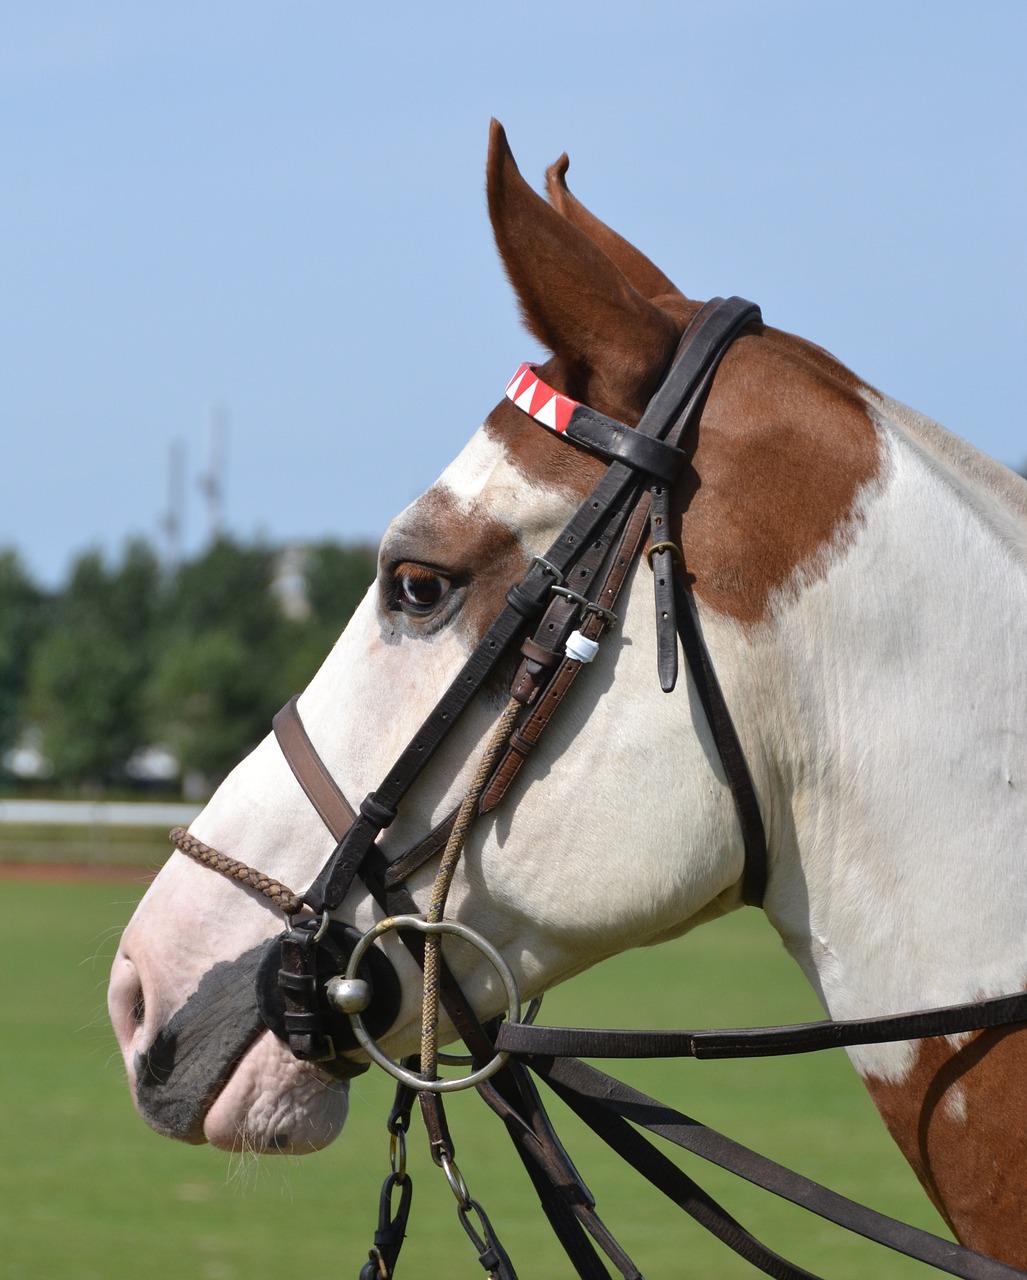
<point x="672" y="547"/>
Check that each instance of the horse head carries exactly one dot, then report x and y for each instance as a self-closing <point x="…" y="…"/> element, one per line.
<point x="809" y="511"/>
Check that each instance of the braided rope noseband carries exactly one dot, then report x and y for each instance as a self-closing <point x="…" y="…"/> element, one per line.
<point x="288" y="902"/>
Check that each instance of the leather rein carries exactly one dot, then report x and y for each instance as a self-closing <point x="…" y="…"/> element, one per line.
<point x="327" y="990"/>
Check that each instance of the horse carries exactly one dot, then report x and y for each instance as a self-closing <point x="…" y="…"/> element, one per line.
<point x="859" y="579"/>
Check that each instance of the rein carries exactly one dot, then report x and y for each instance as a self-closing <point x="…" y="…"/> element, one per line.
<point x="321" y="1012"/>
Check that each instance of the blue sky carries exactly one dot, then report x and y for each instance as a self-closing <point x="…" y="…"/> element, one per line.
<point x="278" y="209"/>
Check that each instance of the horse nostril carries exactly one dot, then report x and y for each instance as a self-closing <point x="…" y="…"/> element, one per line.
<point x="127" y="1000"/>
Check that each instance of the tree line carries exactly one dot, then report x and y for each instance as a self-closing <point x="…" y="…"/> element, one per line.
<point x="130" y="658"/>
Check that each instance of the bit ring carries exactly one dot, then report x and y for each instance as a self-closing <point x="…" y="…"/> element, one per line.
<point x="395" y="1069"/>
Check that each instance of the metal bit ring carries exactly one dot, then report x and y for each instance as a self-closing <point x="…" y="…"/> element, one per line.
<point x="401" y="1073"/>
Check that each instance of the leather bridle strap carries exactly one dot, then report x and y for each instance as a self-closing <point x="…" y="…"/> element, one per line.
<point x="563" y="1186"/>
<point x="310" y="771"/>
<point x="705" y="339"/>
<point x="337" y="814"/>
<point x="605" y="1103"/>
<point x="526" y="1040"/>
<point x="729" y="748"/>
<point x="563" y="669"/>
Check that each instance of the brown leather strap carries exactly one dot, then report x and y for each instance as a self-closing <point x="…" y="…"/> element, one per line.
<point x="706" y="338"/>
<point x="320" y="787"/>
<point x="662" y="555"/>
<point x="434" y="842"/>
<point x="597" y="1098"/>
<point x="523" y="1039"/>
<point x="732" y="757"/>
<point x="526" y="736"/>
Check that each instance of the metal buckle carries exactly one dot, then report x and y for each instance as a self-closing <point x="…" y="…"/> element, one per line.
<point x="672" y="547"/>
<point x="546" y="567"/>
<point x="574" y="596"/>
<point x="585" y="605"/>
<point x="607" y="615"/>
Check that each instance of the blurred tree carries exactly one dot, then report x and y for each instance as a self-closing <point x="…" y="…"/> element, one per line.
<point x="208" y="701"/>
<point x="23" y="610"/>
<point x="336" y="580"/>
<point x="88" y="671"/>
<point x="199" y="662"/>
<point x="219" y="675"/>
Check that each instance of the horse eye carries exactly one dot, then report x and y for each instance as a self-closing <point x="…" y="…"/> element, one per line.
<point x="418" y="589"/>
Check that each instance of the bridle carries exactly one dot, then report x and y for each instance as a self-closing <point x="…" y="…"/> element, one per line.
<point x="326" y="989"/>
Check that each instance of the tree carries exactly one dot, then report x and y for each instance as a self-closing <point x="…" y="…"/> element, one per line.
<point x="23" y="609"/>
<point x="219" y="675"/>
<point x="207" y="697"/>
<point x="87" y="674"/>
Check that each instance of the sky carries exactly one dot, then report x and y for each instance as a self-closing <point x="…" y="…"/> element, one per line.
<point x="271" y="216"/>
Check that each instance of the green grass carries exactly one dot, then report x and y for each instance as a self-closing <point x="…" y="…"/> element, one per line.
<point x="86" y="1191"/>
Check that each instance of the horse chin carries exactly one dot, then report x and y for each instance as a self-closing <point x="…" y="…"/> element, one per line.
<point x="273" y="1104"/>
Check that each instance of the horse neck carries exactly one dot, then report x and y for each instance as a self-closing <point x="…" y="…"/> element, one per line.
<point x="903" y="806"/>
<point x="896" y="697"/>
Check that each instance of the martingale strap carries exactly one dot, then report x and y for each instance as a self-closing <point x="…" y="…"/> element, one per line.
<point x="606" y="1104"/>
<point x="762" y="1042"/>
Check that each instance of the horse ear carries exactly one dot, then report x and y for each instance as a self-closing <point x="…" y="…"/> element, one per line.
<point x="644" y="275"/>
<point x="574" y="298"/>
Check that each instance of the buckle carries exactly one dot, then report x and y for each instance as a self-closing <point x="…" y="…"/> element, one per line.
<point x="547" y="568"/>
<point x="585" y="605"/>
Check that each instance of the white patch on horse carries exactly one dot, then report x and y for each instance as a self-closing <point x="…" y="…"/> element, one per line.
<point x="483" y="466"/>
<point x="891" y="689"/>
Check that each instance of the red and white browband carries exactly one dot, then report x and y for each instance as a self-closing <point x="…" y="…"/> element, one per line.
<point x="548" y="407"/>
<point x="602" y="436"/>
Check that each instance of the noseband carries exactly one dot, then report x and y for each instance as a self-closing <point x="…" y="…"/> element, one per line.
<point x="325" y="990"/>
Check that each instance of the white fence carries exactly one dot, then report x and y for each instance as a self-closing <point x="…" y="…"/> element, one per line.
<point x="97" y="813"/>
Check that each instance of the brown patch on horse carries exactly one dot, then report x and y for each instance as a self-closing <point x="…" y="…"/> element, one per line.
<point x="784" y="452"/>
<point x="642" y="273"/>
<point x="959" y="1119"/>
<point x="787" y="446"/>
<point x="481" y="556"/>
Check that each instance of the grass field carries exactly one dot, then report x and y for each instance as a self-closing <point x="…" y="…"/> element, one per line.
<point x="88" y="1193"/>
<point x="81" y="845"/>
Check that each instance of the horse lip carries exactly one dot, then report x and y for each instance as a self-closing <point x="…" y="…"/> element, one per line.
<point x="194" y="1055"/>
